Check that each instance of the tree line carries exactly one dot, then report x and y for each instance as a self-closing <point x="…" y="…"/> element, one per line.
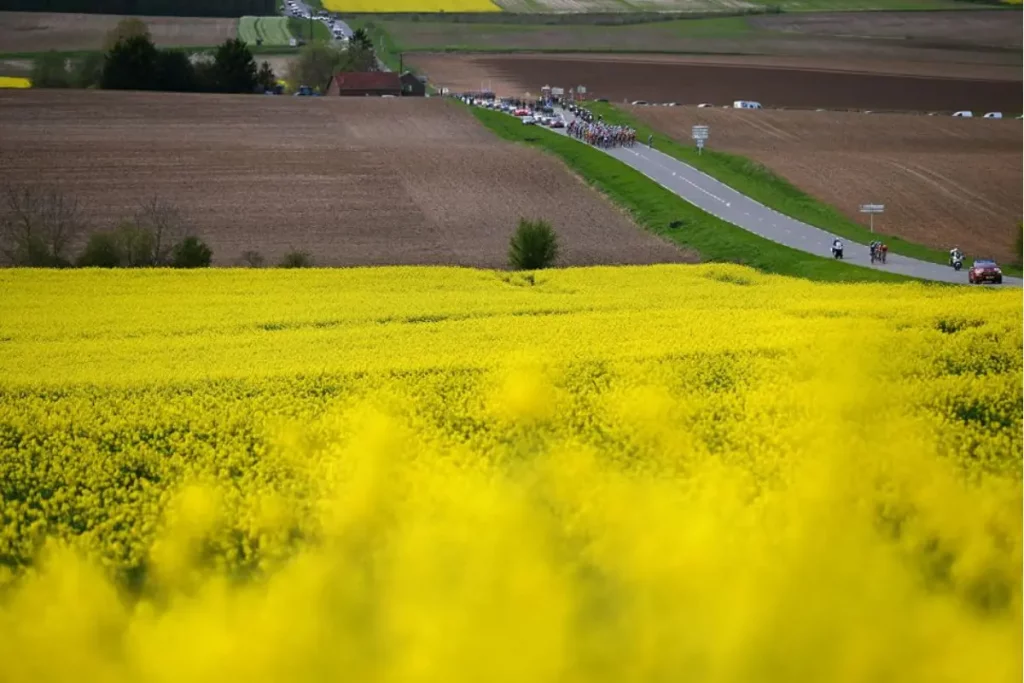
<point x="40" y="226"/>
<point x="130" y="61"/>
<point x="153" y="8"/>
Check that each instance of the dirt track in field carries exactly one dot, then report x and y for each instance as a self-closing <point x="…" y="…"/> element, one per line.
<point x="943" y="181"/>
<point x="352" y="181"/>
<point x="40" y="31"/>
<point x="662" y="80"/>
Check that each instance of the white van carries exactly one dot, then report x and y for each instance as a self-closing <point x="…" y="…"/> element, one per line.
<point x="994" y="115"/>
<point x="745" y="104"/>
<point x="963" y="114"/>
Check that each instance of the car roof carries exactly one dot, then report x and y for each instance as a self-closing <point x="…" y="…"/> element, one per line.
<point x="983" y="262"/>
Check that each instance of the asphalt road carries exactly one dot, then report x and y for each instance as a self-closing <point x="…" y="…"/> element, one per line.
<point x="338" y="23"/>
<point x="722" y="201"/>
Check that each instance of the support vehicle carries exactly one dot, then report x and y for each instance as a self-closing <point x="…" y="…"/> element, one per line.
<point x="985" y="270"/>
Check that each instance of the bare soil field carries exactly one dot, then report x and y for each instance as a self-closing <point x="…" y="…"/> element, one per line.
<point x="662" y="79"/>
<point x="943" y="181"/>
<point x="352" y="181"/>
<point x="41" y="31"/>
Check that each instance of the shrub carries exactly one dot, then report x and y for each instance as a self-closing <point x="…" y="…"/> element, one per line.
<point x="191" y="252"/>
<point x="296" y="259"/>
<point x="533" y="246"/>
<point x="253" y="259"/>
<point x="136" y="245"/>
<point x="50" y="70"/>
<point x="102" y="251"/>
<point x="131" y="65"/>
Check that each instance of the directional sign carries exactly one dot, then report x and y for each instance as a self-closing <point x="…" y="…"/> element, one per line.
<point x="700" y="132"/>
<point x="872" y="209"/>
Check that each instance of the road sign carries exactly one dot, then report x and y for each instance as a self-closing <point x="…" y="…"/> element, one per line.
<point x="700" y="135"/>
<point x="871" y="210"/>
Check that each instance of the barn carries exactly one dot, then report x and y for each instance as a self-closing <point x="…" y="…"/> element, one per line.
<point x="413" y="85"/>
<point x="370" y="83"/>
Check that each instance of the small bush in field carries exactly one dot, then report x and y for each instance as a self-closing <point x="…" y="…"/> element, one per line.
<point x="296" y="259"/>
<point x="191" y="252"/>
<point x="534" y="245"/>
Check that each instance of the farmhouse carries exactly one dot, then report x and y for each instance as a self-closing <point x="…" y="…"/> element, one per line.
<point x="413" y="85"/>
<point x="365" y="84"/>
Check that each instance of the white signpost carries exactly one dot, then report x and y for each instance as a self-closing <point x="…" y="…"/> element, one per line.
<point x="700" y="135"/>
<point x="871" y="210"/>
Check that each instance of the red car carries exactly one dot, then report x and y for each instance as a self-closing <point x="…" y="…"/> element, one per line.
<point x="985" y="271"/>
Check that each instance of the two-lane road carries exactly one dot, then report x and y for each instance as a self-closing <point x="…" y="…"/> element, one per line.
<point x="722" y="201"/>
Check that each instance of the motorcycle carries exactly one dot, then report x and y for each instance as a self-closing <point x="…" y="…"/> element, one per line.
<point x="837" y="251"/>
<point x="958" y="263"/>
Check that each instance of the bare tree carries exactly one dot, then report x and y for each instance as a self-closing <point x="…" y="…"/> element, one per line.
<point x="37" y="225"/>
<point x="165" y="224"/>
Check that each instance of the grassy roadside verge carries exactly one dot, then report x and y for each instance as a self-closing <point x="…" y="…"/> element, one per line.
<point x="762" y="185"/>
<point x="384" y="45"/>
<point x="299" y="28"/>
<point x="657" y="210"/>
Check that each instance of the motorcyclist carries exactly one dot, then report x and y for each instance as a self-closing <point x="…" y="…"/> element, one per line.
<point x="955" y="255"/>
<point x="837" y="247"/>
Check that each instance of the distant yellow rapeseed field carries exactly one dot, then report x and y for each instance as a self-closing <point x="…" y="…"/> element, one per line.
<point x="14" y="82"/>
<point x="382" y="6"/>
<point x="675" y="473"/>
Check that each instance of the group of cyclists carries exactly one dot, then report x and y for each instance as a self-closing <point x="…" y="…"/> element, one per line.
<point x="601" y="134"/>
<point x="879" y="250"/>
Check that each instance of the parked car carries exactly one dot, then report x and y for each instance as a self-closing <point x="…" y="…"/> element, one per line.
<point x="994" y="115"/>
<point x="746" y="104"/>
<point x="639" y="103"/>
<point x="963" y="114"/>
<point x="558" y="123"/>
<point x="529" y="121"/>
<point x="703" y="105"/>
<point x="985" y="270"/>
<point x="521" y="112"/>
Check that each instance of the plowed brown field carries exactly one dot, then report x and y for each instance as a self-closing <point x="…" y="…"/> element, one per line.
<point x="39" y="31"/>
<point x="773" y="81"/>
<point x="353" y="181"/>
<point x="943" y="181"/>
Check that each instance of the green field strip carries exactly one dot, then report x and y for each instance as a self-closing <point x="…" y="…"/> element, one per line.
<point x="272" y="31"/>
<point x="668" y="215"/>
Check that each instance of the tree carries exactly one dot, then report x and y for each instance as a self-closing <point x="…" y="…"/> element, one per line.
<point x="533" y="246"/>
<point x="361" y="38"/>
<point x="265" y="78"/>
<point x="234" y="68"/>
<point x="87" y="70"/>
<point x="49" y="70"/>
<point x="131" y="65"/>
<point x="131" y="27"/>
<point x="37" y="225"/>
<point x="135" y="244"/>
<point x="316" y="65"/>
<point x="359" y="58"/>
<point x="164" y="223"/>
<point x="174" y="72"/>
<point x="102" y="251"/>
<point x="191" y="252"/>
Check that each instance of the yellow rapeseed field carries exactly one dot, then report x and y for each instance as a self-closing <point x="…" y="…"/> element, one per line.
<point x="384" y="6"/>
<point x="678" y="473"/>
<point x="14" y="82"/>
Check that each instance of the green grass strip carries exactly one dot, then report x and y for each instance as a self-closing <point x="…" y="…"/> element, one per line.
<point x="762" y="185"/>
<point x="657" y="209"/>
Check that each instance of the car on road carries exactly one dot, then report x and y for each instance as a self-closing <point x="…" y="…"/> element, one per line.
<point x="529" y="121"/>
<point x="985" y="270"/>
<point x="521" y="112"/>
<point x="558" y="123"/>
